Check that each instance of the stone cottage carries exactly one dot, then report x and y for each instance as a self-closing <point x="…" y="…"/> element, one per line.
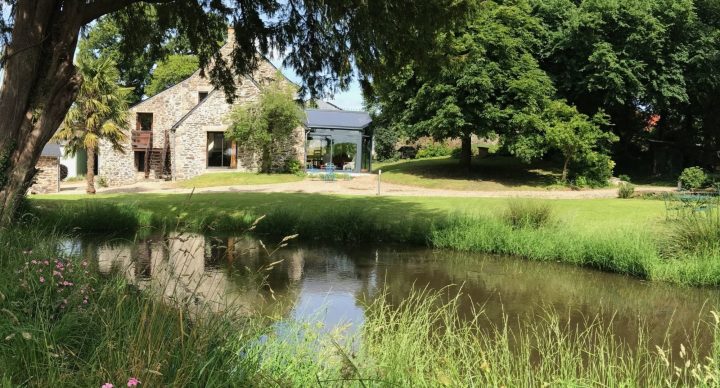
<point x="179" y="133"/>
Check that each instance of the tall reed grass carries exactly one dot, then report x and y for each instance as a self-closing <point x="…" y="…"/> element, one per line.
<point x="424" y="342"/>
<point x="100" y="329"/>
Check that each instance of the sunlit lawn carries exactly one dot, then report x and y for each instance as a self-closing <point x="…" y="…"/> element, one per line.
<point x="594" y="214"/>
<point x="487" y="174"/>
<point x="237" y="178"/>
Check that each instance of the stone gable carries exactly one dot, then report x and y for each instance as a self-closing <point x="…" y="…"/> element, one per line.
<point x="179" y="112"/>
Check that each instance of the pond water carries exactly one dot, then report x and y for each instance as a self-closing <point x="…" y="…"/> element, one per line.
<point x="333" y="284"/>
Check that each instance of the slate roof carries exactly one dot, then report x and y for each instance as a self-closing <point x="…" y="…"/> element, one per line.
<point x="337" y="119"/>
<point x="52" y="149"/>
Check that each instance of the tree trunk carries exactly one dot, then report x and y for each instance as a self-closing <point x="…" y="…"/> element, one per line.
<point x="90" y="176"/>
<point x="565" y="169"/>
<point x="39" y="86"/>
<point x="466" y="152"/>
<point x="266" y="162"/>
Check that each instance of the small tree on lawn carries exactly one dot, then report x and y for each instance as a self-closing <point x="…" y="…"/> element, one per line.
<point x="576" y="135"/>
<point x="100" y="112"/>
<point x="267" y="122"/>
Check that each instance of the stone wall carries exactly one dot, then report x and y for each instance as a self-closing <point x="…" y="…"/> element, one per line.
<point x="188" y="142"/>
<point x="47" y="180"/>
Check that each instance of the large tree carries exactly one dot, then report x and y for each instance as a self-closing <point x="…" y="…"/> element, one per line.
<point x="322" y="39"/>
<point x="492" y="83"/>
<point x="627" y="57"/>
<point x="99" y="113"/>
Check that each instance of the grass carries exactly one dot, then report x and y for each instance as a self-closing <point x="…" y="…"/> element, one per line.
<point x="237" y="179"/>
<point x="99" y="329"/>
<point x="51" y="337"/>
<point x="494" y="172"/>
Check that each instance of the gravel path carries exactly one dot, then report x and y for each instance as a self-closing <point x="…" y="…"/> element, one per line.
<point x="359" y="185"/>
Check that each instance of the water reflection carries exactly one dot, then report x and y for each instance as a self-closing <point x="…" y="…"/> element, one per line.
<point x="333" y="284"/>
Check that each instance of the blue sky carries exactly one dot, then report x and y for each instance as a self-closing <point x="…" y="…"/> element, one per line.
<point x="347" y="100"/>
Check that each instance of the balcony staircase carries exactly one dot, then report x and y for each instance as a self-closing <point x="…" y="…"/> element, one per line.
<point x="154" y="156"/>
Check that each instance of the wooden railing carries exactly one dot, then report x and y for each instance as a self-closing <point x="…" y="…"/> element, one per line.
<point x="141" y="140"/>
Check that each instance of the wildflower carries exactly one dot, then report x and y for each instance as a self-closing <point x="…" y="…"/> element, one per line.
<point x="34" y="261"/>
<point x="133" y="382"/>
<point x="46" y="262"/>
<point x="107" y="385"/>
<point x="42" y="279"/>
<point x="84" y="263"/>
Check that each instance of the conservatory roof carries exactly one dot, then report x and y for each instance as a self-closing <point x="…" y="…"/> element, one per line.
<point x="337" y="119"/>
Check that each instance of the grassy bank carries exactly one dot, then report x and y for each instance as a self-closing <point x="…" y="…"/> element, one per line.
<point x="99" y="329"/>
<point x="624" y="236"/>
<point x="486" y="174"/>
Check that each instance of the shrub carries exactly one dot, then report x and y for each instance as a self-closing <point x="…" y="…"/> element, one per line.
<point x="696" y="232"/>
<point x="63" y="172"/>
<point x="456" y="152"/>
<point x="595" y="169"/>
<point x="693" y="178"/>
<point x="293" y="166"/>
<point x="527" y="214"/>
<point x="102" y="182"/>
<point x="626" y="190"/>
<point x="624" y="178"/>
<point x="434" y="150"/>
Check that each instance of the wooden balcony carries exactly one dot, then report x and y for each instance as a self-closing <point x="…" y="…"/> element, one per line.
<point x="142" y="140"/>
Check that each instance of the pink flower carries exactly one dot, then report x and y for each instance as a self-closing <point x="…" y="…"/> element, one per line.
<point x="84" y="263"/>
<point x="46" y="262"/>
<point x="107" y="385"/>
<point x="133" y="382"/>
<point x="34" y="261"/>
<point x="42" y="279"/>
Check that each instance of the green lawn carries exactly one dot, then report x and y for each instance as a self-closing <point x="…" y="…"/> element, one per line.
<point x="491" y="173"/>
<point x="237" y="179"/>
<point x="585" y="214"/>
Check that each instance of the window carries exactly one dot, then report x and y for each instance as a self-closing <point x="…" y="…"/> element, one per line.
<point x="144" y="122"/>
<point x="202" y="96"/>
<point x="219" y="150"/>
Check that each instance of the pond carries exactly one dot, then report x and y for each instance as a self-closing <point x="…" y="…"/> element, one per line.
<point x="333" y="284"/>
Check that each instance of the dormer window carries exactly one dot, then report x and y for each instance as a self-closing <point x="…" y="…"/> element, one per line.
<point x="202" y="96"/>
<point x="144" y="122"/>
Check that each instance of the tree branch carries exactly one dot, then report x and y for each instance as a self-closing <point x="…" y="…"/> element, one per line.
<point x="99" y="8"/>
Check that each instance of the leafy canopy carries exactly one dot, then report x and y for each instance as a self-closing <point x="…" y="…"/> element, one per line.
<point x="170" y="71"/>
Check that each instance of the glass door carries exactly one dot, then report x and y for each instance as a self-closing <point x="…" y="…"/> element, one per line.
<point x="219" y="150"/>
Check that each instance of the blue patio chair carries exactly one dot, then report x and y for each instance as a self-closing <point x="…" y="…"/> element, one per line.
<point x="329" y="175"/>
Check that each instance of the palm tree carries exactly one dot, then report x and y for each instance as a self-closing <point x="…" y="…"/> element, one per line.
<point x="99" y="113"/>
